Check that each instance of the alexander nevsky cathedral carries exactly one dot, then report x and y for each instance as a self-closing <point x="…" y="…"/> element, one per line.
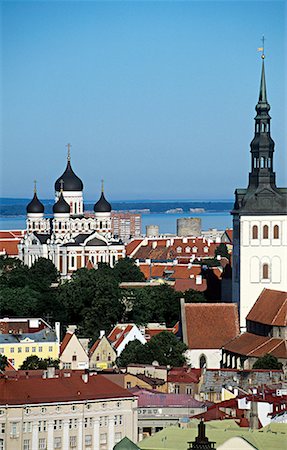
<point x="70" y="239"/>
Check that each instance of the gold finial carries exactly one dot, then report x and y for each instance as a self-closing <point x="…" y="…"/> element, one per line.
<point x="102" y="182"/>
<point x="69" y="152"/>
<point x="35" y="186"/>
<point x="262" y="49"/>
<point x="61" y="185"/>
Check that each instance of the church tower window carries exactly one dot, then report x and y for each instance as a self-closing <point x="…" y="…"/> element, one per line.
<point x="265" y="271"/>
<point x="265" y="232"/>
<point x="276" y="232"/>
<point x="255" y="232"/>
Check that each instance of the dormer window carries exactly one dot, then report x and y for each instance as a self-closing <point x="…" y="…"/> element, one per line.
<point x="194" y="249"/>
<point x="178" y="249"/>
<point x="187" y="249"/>
<point x="205" y="249"/>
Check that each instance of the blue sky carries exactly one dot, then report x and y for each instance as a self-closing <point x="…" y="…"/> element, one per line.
<point x="157" y="98"/>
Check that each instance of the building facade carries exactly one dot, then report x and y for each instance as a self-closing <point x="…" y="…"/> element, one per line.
<point x="80" y="412"/>
<point x="126" y="225"/>
<point x="69" y="239"/>
<point x="259" y="220"/>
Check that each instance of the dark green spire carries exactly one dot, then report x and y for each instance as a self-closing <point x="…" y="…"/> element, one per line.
<point x="262" y="93"/>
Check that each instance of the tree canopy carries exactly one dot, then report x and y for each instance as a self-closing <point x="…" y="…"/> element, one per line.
<point x="3" y="362"/>
<point x="267" y="362"/>
<point x="164" y="348"/>
<point x="126" y="270"/>
<point x="33" y="362"/>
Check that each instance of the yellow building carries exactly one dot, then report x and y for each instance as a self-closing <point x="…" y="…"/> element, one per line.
<point x="17" y="347"/>
<point x="102" y="355"/>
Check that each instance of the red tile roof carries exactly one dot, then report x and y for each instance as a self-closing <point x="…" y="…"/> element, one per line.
<point x="158" y="399"/>
<point x="118" y="334"/>
<point x="210" y="325"/>
<point x="184" y="375"/>
<point x="65" y="342"/>
<point x="9" y="247"/>
<point x="270" y="308"/>
<point x="189" y="283"/>
<point x="131" y="246"/>
<point x="55" y="390"/>
<point x="249" y="344"/>
<point x="94" y="347"/>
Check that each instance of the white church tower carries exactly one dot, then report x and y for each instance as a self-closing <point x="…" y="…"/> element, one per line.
<point x="259" y="220"/>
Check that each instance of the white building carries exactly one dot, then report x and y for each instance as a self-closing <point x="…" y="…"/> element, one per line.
<point x="70" y="239"/>
<point x="259" y="220"/>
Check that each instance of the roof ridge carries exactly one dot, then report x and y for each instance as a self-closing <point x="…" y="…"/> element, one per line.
<point x="279" y="310"/>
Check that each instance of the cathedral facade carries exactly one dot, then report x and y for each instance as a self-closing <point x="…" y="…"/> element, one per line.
<point x="259" y="219"/>
<point x="69" y="239"/>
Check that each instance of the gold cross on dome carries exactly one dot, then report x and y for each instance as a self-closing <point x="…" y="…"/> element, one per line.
<point x="69" y="151"/>
<point x="262" y="49"/>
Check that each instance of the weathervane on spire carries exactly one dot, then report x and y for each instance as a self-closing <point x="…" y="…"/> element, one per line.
<point x="262" y="49"/>
<point x="69" y="151"/>
<point x="102" y="182"/>
<point x="35" y="186"/>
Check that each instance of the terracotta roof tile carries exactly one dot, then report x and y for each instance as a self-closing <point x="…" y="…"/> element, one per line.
<point x="182" y="285"/>
<point x="65" y="342"/>
<point x="94" y="347"/>
<point x="249" y="344"/>
<point x="210" y="325"/>
<point x="131" y="246"/>
<point x="270" y="308"/>
<point x="56" y="390"/>
<point x="9" y="247"/>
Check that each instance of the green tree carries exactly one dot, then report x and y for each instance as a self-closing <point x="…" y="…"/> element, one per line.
<point x="267" y="362"/>
<point x="156" y="304"/>
<point x="19" y="301"/>
<point x="33" y="362"/>
<point x="192" y="296"/>
<point x="3" y="362"/>
<point x="222" y="250"/>
<point x="134" y="352"/>
<point x="167" y="349"/>
<point x="126" y="270"/>
<point x="164" y="348"/>
<point x="42" y="274"/>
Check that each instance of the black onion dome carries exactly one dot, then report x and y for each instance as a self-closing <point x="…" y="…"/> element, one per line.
<point x="102" y="205"/>
<point x="70" y="180"/>
<point x="35" y="206"/>
<point x="61" y="206"/>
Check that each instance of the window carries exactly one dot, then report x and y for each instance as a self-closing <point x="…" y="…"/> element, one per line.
<point x="189" y="390"/>
<point x="57" y="424"/>
<point x="176" y="389"/>
<point x="14" y="429"/>
<point x="1" y="444"/>
<point x="50" y="348"/>
<point x="27" y="427"/>
<point x="1" y="349"/>
<point x="255" y="232"/>
<point x="27" y="349"/>
<point x="74" y="408"/>
<point x="88" y="440"/>
<point x="43" y="410"/>
<point x="103" y="421"/>
<point x="40" y="349"/>
<point x="265" y="271"/>
<point x="73" y="441"/>
<point x="74" y="358"/>
<point x="265" y="232"/>
<point x="67" y="365"/>
<point x="26" y="444"/>
<point x="118" y="437"/>
<point x="33" y="349"/>
<point x="2" y="428"/>
<point x="12" y="349"/>
<point x="57" y="442"/>
<point x="276" y="232"/>
<point x="42" y="444"/>
<point x="202" y="361"/>
<point x="118" y="420"/>
<point x="19" y="349"/>
<point x="88" y="422"/>
<point x="42" y="425"/>
<point x="178" y="249"/>
<point x="129" y="384"/>
<point x="103" y="438"/>
<point x="187" y="249"/>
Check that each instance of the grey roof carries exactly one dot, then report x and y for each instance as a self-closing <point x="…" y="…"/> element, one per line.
<point x="96" y="242"/>
<point x="45" y="335"/>
<point x="43" y="237"/>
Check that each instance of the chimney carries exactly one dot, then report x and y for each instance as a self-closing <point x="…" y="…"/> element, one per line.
<point x="198" y="279"/>
<point x="57" y="330"/>
<point x="85" y="376"/>
<point x="51" y="372"/>
<point x="102" y="333"/>
<point x="71" y="329"/>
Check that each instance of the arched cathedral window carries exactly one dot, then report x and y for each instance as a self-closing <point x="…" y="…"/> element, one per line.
<point x="265" y="232"/>
<point x="265" y="271"/>
<point x="276" y="232"/>
<point x="255" y="232"/>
